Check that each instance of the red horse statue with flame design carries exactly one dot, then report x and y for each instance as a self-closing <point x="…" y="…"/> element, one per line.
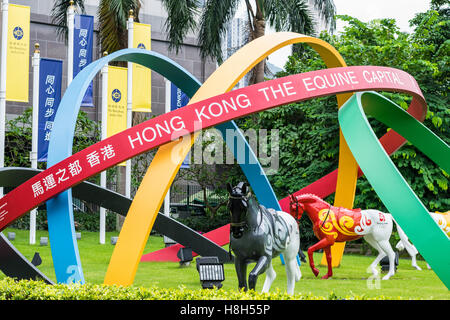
<point x="336" y="224"/>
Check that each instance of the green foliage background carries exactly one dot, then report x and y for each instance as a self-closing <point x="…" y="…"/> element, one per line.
<point x="309" y="131"/>
<point x="18" y="145"/>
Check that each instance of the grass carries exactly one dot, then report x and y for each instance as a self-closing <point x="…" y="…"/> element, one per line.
<point x="349" y="279"/>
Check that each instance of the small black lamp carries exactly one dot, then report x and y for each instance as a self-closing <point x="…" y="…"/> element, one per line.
<point x="185" y="256"/>
<point x="37" y="260"/>
<point x="211" y="272"/>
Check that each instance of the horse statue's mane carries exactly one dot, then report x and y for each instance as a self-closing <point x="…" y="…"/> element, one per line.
<point x="307" y="196"/>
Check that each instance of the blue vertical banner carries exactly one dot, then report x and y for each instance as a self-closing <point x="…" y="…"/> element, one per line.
<point x="83" y="41"/>
<point x="179" y="99"/>
<point x="50" y="79"/>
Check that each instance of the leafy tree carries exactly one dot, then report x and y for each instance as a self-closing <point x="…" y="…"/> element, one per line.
<point x="287" y="15"/>
<point x="207" y="168"/>
<point x="292" y="15"/>
<point x="17" y="154"/>
<point x="18" y="138"/>
<point x="309" y="130"/>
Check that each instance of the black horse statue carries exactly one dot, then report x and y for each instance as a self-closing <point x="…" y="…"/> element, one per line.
<point x="257" y="235"/>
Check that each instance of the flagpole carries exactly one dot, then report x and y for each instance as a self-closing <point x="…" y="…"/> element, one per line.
<point x="104" y="132"/>
<point x="34" y="131"/>
<point x="70" y="28"/>
<point x="3" y="85"/>
<point x="167" y="109"/>
<point x="130" y="26"/>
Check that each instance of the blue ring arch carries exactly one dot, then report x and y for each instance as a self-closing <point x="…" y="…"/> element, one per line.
<point x="64" y="248"/>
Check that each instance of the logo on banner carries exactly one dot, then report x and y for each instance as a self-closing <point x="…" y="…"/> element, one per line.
<point x="116" y="95"/>
<point x="141" y="46"/>
<point x="18" y="33"/>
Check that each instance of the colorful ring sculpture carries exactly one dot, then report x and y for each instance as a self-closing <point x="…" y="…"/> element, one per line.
<point x="65" y="254"/>
<point x="136" y="228"/>
<point x="61" y="230"/>
<point x="162" y="130"/>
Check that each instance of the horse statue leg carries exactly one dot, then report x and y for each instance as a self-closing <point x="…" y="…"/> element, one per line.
<point x="260" y="267"/>
<point x="330" y="266"/>
<point x="270" y="276"/>
<point x="293" y="273"/>
<point x="323" y="243"/>
<point x="241" y="271"/>
<point x="405" y="244"/>
<point x="384" y="248"/>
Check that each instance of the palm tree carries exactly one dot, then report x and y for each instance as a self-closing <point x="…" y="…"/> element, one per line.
<point x="112" y="16"/>
<point x="283" y="15"/>
<point x="59" y="14"/>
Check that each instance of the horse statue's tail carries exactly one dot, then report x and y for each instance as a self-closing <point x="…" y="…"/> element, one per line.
<point x="404" y="242"/>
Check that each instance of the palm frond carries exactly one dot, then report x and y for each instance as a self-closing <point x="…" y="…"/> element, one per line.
<point x="213" y="24"/>
<point x="180" y="20"/>
<point x="112" y="18"/>
<point x="59" y="15"/>
<point x="327" y="10"/>
<point x="293" y="15"/>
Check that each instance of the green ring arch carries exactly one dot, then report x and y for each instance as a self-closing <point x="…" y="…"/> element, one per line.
<point x="404" y="205"/>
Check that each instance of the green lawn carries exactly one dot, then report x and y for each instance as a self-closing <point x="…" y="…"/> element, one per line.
<point x="349" y="279"/>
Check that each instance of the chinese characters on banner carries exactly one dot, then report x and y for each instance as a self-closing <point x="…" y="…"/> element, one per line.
<point x="179" y="99"/>
<point x="50" y="78"/>
<point x="83" y="39"/>
<point x="73" y="169"/>
<point x="18" y="53"/>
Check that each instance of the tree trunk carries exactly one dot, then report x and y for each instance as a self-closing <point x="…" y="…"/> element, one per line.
<point x="259" y="25"/>
<point x="120" y="189"/>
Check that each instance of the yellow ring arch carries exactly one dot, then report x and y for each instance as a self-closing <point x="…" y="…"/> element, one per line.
<point x="167" y="161"/>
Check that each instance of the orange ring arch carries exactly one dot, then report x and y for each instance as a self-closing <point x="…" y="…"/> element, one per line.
<point x="167" y="161"/>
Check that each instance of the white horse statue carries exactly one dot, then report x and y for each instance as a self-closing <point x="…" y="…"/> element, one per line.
<point x="337" y="224"/>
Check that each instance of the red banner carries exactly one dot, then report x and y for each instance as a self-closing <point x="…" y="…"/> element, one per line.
<point x="201" y="115"/>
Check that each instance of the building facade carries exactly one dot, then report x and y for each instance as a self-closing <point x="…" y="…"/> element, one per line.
<point x="152" y="12"/>
<point x="44" y="32"/>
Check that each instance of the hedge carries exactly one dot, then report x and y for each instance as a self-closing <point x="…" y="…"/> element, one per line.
<point x="11" y="289"/>
<point x="84" y="221"/>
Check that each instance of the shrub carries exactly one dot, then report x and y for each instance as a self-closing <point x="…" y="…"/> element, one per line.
<point x="83" y="221"/>
<point x="38" y="290"/>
